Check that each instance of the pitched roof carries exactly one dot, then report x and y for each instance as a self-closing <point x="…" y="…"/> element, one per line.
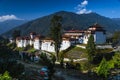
<point x="95" y="27"/>
<point x="74" y="31"/>
<point x="23" y="38"/>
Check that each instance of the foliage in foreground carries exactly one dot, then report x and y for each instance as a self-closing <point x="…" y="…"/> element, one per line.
<point x="102" y="70"/>
<point x="8" y="61"/>
<point x="5" y="76"/>
<point x="116" y="59"/>
<point x="47" y="61"/>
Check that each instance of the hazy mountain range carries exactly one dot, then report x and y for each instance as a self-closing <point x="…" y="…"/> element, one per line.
<point x="10" y="24"/>
<point x="70" y="21"/>
<point x="117" y="20"/>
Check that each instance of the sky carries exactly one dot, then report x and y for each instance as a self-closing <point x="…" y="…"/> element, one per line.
<point x="32" y="9"/>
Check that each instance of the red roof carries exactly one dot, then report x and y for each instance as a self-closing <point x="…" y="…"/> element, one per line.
<point x="66" y="36"/>
<point x="96" y="27"/>
<point x="74" y="31"/>
<point x="23" y="38"/>
<point x="39" y="37"/>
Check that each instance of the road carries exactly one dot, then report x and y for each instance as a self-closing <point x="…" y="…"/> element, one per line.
<point x="64" y="74"/>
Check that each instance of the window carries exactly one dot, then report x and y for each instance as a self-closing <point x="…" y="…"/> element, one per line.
<point x="51" y="44"/>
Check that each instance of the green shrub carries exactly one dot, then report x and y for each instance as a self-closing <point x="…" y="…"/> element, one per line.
<point x="116" y="59"/>
<point x="11" y="45"/>
<point x="32" y="50"/>
<point x="5" y="76"/>
<point x="86" y="66"/>
<point x="19" y="49"/>
<point x="103" y="68"/>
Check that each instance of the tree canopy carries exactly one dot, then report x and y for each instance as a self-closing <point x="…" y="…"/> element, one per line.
<point x="91" y="48"/>
<point x="56" y="32"/>
<point x="8" y="62"/>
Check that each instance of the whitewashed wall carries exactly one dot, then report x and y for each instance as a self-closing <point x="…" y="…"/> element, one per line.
<point x="20" y="43"/>
<point x="36" y="44"/>
<point x="49" y="46"/>
<point x="85" y="38"/>
<point x="99" y="37"/>
<point x="65" y="45"/>
<point x="25" y="43"/>
<point x="31" y="42"/>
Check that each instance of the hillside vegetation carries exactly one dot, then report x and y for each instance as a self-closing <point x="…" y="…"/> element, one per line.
<point x="70" y="21"/>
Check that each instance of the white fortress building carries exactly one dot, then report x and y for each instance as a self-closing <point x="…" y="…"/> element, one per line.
<point x="97" y="31"/>
<point x="48" y="44"/>
<point x="71" y="37"/>
<point x="41" y="43"/>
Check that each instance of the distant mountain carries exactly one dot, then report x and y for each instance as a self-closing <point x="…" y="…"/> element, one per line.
<point x="117" y="20"/>
<point x="70" y="21"/>
<point x="9" y="24"/>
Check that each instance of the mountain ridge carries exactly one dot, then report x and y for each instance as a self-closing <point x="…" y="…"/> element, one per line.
<point x="70" y="20"/>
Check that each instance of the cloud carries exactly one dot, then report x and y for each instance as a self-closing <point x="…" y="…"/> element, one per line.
<point x="8" y="17"/>
<point x="84" y="11"/>
<point x="84" y="3"/>
<point x="81" y="8"/>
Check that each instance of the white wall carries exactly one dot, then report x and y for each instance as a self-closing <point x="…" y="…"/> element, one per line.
<point x="49" y="46"/>
<point x="99" y="37"/>
<point x="36" y="44"/>
<point x="25" y="43"/>
<point x="85" y="38"/>
<point x="20" y="43"/>
<point x="65" y="44"/>
<point x="31" y="42"/>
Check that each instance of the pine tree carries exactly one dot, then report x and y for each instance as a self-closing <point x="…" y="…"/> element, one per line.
<point x="103" y="68"/>
<point x="56" y="33"/>
<point x="91" y="48"/>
